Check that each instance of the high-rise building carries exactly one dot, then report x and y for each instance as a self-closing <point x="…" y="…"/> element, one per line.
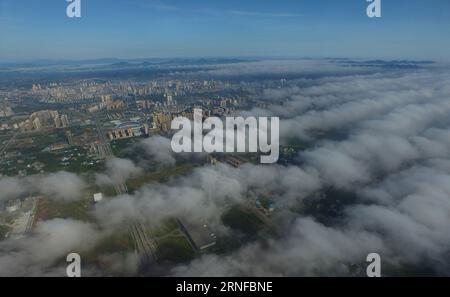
<point x="58" y="123"/>
<point x="65" y="121"/>
<point x="169" y="100"/>
<point x="37" y="124"/>
<point x="162" y="121"/>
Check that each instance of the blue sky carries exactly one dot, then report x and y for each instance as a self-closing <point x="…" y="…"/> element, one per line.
<point x="413" y="29"/>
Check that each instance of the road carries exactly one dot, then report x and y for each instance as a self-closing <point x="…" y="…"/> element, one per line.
<point x="106" y="152"/>
<point x="145" y="246"/>
<point x="32" y="214"/>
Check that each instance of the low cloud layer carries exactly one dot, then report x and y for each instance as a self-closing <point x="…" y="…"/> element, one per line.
<point x="44" y="252"/>
<point x="64" y="186"/>
<point x="159" y="150"/>
<point x="117" y="171"/>
<point x="382" y="137"/>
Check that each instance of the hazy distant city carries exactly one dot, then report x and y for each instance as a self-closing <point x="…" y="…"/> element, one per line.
<point x="86" y="164"/>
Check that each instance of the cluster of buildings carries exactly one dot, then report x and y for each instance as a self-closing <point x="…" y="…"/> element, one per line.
<point x="108" y="103"/>
<point x="128" y="130"/>
<point x="147" y="104"/>
<point x="83" y="90"/>
<point x="6" y="111"/>
<point x="170" y="87"/>
<point x="114" y="94"/>
<point x="162" y="121"/>
<point x="40" y="120"/>
<point x="151" y="104"/>
<point x="69" y="92"/>
<point x="37" y="121"/>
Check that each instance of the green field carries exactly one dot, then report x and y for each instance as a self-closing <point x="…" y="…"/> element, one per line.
<point x="120" y="241"/>
<point x="78" y="210"/>
<point x="175" y="249"/>
<point x="159" y="176"/>
<point x="243" y="221"/>
<point x="165" y="228"/>
<point x="3" y="231"/>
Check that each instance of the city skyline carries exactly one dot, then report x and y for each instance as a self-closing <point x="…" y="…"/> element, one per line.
<point x="413" y="29"/>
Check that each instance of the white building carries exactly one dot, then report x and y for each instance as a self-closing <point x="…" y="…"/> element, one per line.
<point x="98" y="197"/>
